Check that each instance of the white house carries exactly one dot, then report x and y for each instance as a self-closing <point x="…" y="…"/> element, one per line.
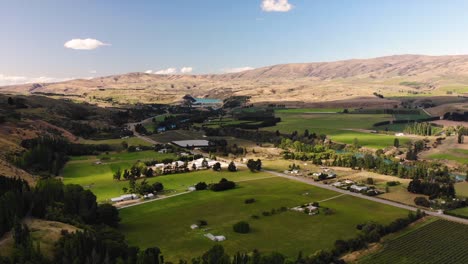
<point x="356" y="188"/>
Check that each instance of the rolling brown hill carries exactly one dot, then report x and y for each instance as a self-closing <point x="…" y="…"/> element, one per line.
<point x="298" y="83"/>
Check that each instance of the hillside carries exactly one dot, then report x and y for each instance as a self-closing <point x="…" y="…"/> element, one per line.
<point x="400" y="75"/>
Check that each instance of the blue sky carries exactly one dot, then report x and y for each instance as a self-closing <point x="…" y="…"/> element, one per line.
<point x="214" y="36"/>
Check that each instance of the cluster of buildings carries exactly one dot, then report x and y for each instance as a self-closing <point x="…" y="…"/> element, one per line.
<point x="357" y="188"/>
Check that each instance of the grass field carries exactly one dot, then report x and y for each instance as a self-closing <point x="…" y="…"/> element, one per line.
<point x="458" y="157"/>
<point x="437" y="242"/>
<point x="132" y="141"/>
<point x="309" y="110"/>
<point x="166" y="223"/>
<point x="98" y="178"/>
<point x="461" y="211"/>
<point x="340" y="127"/>
<point x="461" y="189"/>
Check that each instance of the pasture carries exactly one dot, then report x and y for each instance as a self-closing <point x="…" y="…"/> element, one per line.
<point x="98" y="178"/>
<point x="339" y="127"/>
<point x="166" y="223"/>
<point x="131" y="141"/>
<point x="437" y="242"/>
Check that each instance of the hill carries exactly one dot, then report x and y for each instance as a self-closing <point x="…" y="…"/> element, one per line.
<point x="298" y="83"/>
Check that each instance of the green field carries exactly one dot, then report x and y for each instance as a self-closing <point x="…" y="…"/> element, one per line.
<point x="342" y="128"/>
<point x="132" y="141"/>
<point x="437" y="242"/>
<point x="460" y="158"/>
<point x="461" y="211"/>
<point x="461" y="189"/>
<point x="309" y="110"/>
<point x="98" y="178"/>
<point x="166" y="223"/>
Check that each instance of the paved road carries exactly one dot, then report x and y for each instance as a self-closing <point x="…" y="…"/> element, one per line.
<point x="324" y="186"/>
<point x="131" y="126"/>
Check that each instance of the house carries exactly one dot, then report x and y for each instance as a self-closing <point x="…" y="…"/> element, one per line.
<point x="191" y="189"/>
<point x="148" y="196"/>
<point x="164" y="150"/>
<point x="337" y="184"/>
<point x="356" y="188"/>
<point x="399" y="134"/>
<point x="348" y="182"/>
<point x="194" y="226"/>
<point x="306" y="208"/>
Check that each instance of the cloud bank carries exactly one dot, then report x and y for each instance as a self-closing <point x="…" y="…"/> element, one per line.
<point x="276" y="6"/>
<point x="169" y="71"/>
<point x="14" y="80"/>
<point x="239" y="69"/>
<point x="186" y="69"/>
<point x="84" y="44"/>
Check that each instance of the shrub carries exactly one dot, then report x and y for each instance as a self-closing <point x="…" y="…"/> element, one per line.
<point x="249" y="201"/>
<point x="255" y="217"/>
<point x="266" y="213"/>
<point x="241" y="227"/>
<point x="201" y="223"/>
<point x="422" y="201"/>
<point x="201" y="186"/>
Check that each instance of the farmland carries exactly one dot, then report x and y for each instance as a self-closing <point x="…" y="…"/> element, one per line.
<point x="437" y="242"/>
<point x="167" y="222"/>
<point x="340" y="127"/>
<point x="98" y="178"/>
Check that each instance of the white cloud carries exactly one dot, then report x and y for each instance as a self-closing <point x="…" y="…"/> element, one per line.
<point x="84" y="44"/>
<point x="234" y="70"/>
<point x="167" y="71"/>
<point x="93" y="71"/>
<point x="149" y="71"/>
<point x="14" y="80"/>
<point x="276" y="6"/>
<point x="186" y="69"/>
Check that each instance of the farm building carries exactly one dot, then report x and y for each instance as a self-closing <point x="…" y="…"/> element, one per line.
<point x="125" y="197"/>
<point x="197" y="143"/>
<point x="356" y="188"/>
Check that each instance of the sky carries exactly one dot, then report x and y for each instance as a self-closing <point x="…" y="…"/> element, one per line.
<point x="52" y="40"/>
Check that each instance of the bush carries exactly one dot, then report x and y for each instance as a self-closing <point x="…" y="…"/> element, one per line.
<point x="201" y="186"/>
<point x="249" y="201"/>
<point x="422" y="201"/>
<point x="232" y="167"/>
<point x="241" y="227"/>
<point x="393" y="183"/>
<point x="201" y="223"/>
<point x="266" y="213"/>
<point x="223" y="185"/>
<point x="255" y="217"/>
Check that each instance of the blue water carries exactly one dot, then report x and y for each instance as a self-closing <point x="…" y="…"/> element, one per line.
<point x="207" y="100"/>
